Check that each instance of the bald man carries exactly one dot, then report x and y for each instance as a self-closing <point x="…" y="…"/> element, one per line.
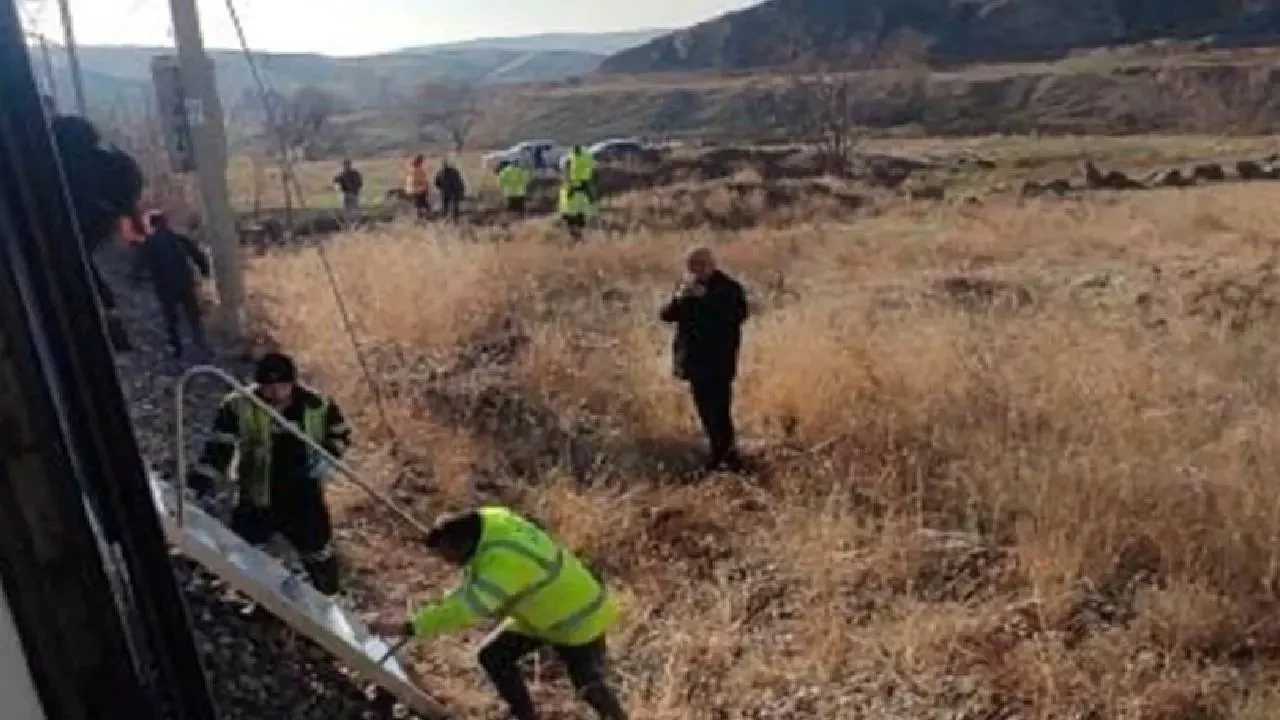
<point x="708" y="310"/>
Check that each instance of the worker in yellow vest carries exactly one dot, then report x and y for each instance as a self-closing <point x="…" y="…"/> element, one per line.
<point x="281" y="479"/>
<point x="575" y="206"/>
<point x="513" y="181"/>
<point x="582" y="172"/>
<point x="543" y="594"/>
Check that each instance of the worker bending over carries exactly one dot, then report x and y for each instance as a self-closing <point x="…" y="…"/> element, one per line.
<point x="544" y="595"/>
<point x="514" y="181"/>
<point x="280" y="477"/>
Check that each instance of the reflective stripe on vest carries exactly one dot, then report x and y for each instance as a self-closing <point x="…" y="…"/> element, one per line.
<point x="508" y="605"/>
<point x="255" y="438"/>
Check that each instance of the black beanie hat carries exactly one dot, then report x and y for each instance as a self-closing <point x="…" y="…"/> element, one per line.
<point x="275" y="368"/>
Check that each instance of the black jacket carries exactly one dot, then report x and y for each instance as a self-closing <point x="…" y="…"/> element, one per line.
<point x="450" y="184"/>
<point x="289" y="456"/>
<point x="168" y="258"/>
<point x="105" y="185"/>
<point x="708" y="330"/>
<point x="350" y="181"/>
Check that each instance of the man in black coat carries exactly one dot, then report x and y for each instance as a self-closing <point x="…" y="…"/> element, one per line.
<point x="452" y="189"/>
<point x="168" y="258"/>
<point x="350" y="183"/>
<point x="709" y="309"/>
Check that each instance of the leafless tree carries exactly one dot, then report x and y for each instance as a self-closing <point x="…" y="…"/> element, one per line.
<point x="831" y="102"/>
<point x="454" y="109"/>
<point x="302" y="117"/>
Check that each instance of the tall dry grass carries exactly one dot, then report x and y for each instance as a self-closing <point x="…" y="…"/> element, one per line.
<point x="968" y="505"/>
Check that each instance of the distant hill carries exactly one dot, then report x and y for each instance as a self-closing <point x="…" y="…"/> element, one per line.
<point x="122" y="75"/>
<point x="592" y="43"/>
<point x="857" y="32"/>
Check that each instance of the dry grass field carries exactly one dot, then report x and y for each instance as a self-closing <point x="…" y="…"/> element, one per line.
<point x="1016" y="460"/>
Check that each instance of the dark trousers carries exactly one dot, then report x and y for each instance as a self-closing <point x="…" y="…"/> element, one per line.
<point x="451" y="206"/>
<point x="305" y="524"/>
<point x="500" y="658"/>
<point x="188" y="305"/>
<point x="576" y="224"/>
<point x="421" y="205"/>
<point x="713" y="396"/>
<point x="516" y="205"/>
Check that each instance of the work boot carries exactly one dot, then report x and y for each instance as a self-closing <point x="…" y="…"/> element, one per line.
<point x="604" y="702"/>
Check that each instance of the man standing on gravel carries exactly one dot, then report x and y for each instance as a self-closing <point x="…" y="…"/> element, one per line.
<point x="281" y="478"/>
<point x="545" y="596"/>
<point x="708" y="309"/>
<point x="168" y="258"/>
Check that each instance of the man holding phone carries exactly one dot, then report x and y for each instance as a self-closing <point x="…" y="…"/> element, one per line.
<point x="708" y="309"/>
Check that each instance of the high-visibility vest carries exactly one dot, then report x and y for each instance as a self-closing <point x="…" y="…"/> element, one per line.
<point x="254" y="440"/>
<point x="519" y="573"/>
<point x="514" y="181"/>
<point x="574" y="202"/>
<point x="582" y="168"/>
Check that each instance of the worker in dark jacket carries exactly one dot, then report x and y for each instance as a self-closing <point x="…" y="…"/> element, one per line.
<point x="349" y="182"/>
<point x="168" y="258"/>
<point x="105" y="186"/>
<point x="452" y="189"/>
<point x="709" y="309"/>
<point x="280" y="478"/>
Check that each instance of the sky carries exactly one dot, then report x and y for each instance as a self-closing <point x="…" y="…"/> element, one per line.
<point x="353" y="27"/>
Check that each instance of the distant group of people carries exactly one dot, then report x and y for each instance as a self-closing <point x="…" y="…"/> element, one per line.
<point x="578" y="195"/>
<point x="448" y="182"/>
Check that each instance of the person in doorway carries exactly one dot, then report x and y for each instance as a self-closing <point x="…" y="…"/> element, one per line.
<point x="513" y="181"/>
<point x="417" y="187"/>
<point x="104" y="185"/>
<point x="168" y="259"/>
<point x="281" y="478"/>
<point x="452" y="189"/>
<point x="709" y="309"/>
<point x="350" y="183"/>
<point x="545" y="596"/>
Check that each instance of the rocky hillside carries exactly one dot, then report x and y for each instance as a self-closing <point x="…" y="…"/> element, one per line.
<point x="862" y="32"/>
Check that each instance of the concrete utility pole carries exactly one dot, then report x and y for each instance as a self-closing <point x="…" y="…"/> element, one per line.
<point x="73" y="57"/>
<point x="204" y="112"/>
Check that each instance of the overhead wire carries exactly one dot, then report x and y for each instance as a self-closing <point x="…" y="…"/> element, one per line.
<point x="286" y="167"/>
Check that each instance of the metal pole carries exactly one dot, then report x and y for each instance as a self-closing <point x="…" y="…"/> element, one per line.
<point x="50" y="79"/>
<point x="204" y="112"/>
<point x="73" y="57"/>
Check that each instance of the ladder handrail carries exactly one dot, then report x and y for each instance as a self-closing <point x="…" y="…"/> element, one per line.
<point x="180" y="426"/>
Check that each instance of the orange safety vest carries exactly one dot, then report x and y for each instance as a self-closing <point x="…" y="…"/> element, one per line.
<point x="417" y="183"/>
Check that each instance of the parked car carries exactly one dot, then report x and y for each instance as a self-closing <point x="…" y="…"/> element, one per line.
<point x="535" y="154"/>
<point x="622" y="150"/>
